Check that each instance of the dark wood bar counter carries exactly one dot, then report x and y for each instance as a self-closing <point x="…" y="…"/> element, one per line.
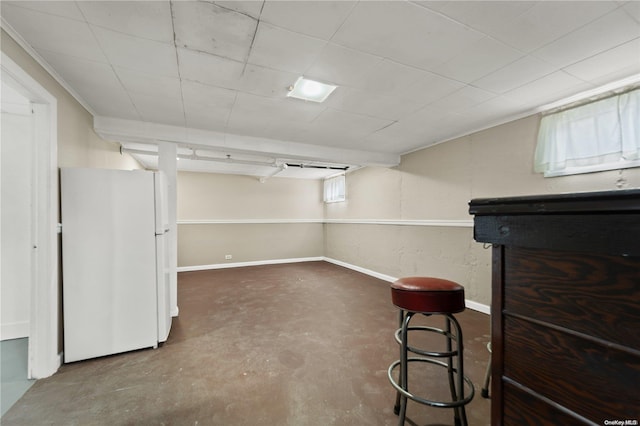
<point x="565" y="312"/>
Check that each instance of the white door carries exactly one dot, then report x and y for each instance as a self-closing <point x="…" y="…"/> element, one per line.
<point x="16" y="188"/>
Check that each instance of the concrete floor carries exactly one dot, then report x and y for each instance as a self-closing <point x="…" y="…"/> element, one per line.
<point x="294" y="344"/>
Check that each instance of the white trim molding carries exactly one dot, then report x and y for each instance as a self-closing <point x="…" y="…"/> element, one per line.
<point x="365" y="271"/>
<point x="404" y="222"/>
<point x="246" y="221"/>
<point x="396" y="222"/>
<point x="251" y="263"/>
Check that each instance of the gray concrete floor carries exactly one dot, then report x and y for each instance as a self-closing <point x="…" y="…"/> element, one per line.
<point x="294" y="344"/>
<point x="13" y="372"/>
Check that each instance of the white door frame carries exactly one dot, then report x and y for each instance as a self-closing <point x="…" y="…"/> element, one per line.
<point x="44" y="359"/>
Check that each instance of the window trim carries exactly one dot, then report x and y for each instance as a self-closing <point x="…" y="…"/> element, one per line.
<point x="613" y="164"/>
<point x="341" y="197"/>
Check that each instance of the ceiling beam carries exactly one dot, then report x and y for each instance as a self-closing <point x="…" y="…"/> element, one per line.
<point x="120" y="130"/>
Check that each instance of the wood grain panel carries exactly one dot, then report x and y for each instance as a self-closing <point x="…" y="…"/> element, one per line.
<point x="595" y="381"/>
<point x="497" y="339"/>
<point x="599" y="233"/>
<point x="592" y="294"/>
<point x="522" y="408"/>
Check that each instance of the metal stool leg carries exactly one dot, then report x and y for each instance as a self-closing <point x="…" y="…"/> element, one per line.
<point x="396" y="407"/>
<point x="452" y="385"/>
<point x="404" y="367"/>
<point x="461" y="411"/>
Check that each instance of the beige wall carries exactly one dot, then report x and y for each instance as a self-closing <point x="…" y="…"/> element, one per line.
<point x="435" y="184"/>
<point x="208" y="244"/>
<point x="233" y="214"/>
<point x="206" y="196"/>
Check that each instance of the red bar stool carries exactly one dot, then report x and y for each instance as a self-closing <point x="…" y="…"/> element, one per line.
<point x="430" y="296"/>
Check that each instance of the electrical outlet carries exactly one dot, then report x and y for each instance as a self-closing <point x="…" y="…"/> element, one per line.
<point x="228" y="257"/>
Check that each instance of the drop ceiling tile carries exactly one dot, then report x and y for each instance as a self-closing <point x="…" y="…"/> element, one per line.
<point x="492" y="112"/>
<point x="229" y="74"/>
<point x="284" y="50"/>
<point x="345" y="129"/>
<point x="138" y="54"/>
<point x="371" y="103"/>
<point x="53" y="33"/>
<point x="341" y="66"/>
<point x="206" y="117"/>
<point x="293" y="131"/>
<point x="201" y="94"/>
<point x="263" y="81"/>
<point x="614" y="64"/>
<point x="516" y="74"/>
<point x="282" y="119"/>
<point x="209" y="28"/>
<point x="66" y="9"/>
<point x="480" y="15"/>
<point x="387" y="77"/>
<point x="207" y="107"/>
<point x="612" y="30"/>
<point x="633" y="9"/>
<point x="145" y="19"/>
<point x="251" y="8"/>
<point x="320" y="19"/>
<point x="265" y="109"/>
<point x="148" y="84"/>
<point x="209" y="69"/>
<point x="95" y="82"/>
<point x="429" y="88"/>
<point x="405" y="33"/>
<point x="423" y="128"/>
<point x="462" y="99"/>
<point x="550" y="88"/>
<point x="478" y="59"/>
<point x="547" y="21"/>
<point x="157" y="109"/>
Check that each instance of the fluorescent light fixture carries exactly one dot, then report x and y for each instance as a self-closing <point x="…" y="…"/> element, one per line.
<point x="310" y="90"/>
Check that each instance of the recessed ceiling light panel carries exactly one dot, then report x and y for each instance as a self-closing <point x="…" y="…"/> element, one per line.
<point x="310" y="90"/>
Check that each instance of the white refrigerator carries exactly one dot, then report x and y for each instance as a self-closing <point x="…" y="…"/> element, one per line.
<point x="114" y="263"/>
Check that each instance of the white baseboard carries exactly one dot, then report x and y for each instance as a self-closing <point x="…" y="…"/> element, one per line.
<point x="485" y="309"/>
<point x="14" y="330"/>
<point x="252" y="263"/>
<point x="365" y="271"/>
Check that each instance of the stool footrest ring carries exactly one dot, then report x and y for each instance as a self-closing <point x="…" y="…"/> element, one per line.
<point x="422" y="351"/>
<point x="444" y="404"/>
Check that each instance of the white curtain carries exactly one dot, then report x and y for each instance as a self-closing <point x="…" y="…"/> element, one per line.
<point x="334" y="189"/>
<point x="601" y="132"/>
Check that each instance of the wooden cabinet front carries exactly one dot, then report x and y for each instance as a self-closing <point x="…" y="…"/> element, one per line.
<point x="565" y="308"/>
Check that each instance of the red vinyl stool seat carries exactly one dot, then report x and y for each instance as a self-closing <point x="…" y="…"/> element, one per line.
<point x="430" y="296"/>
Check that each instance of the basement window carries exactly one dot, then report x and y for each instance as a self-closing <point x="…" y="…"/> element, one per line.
<point x="600" y="135"/>
<point x="335" y="189"/>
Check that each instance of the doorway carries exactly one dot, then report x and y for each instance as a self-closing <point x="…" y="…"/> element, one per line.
<point x="29" y="208"/>
<point x="16" y="155"/>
